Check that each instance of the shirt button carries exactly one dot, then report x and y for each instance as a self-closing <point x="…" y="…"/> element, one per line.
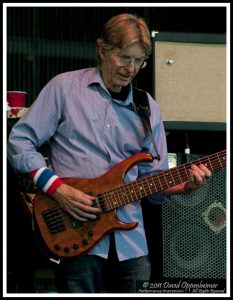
<point x="108" y="125"/>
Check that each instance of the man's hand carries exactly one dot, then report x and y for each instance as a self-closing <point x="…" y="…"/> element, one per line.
<point x="198" y="176"/>
<point x="78" y="204"/>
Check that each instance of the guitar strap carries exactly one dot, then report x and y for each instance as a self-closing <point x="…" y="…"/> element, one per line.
<point x="142" y="108"/>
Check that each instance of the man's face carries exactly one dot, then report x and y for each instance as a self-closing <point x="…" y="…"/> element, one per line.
<point x="120" y="66"/>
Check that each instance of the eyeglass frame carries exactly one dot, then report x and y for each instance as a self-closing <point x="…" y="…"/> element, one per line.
<point x="128" y="60"/>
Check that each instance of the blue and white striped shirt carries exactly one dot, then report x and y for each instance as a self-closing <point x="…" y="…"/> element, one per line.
<point x="89" y="133"/>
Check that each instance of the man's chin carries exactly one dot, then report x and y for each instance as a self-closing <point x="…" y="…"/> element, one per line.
<point x="124" y="82"/>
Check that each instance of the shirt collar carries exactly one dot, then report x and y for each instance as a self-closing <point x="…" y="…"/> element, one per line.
<point x="96" y="78"/>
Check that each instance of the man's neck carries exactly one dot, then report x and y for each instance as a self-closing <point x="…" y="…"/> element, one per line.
<point x="122" y="95"/>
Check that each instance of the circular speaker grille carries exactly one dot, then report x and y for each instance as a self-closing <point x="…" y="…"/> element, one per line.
<point x="187" y="248"/>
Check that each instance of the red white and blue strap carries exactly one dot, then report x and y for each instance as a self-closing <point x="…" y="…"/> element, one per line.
<point x="46" y="180"/>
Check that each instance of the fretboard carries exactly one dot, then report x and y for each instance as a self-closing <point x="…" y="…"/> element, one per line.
<point x="127" y="193"/>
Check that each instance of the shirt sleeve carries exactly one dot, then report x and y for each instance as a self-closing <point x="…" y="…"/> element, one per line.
<point x="34" y="128"/>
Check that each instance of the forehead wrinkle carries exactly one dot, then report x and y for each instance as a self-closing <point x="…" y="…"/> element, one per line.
<point x="129" y="56"/>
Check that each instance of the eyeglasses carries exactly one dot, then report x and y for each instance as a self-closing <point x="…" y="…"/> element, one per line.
<point x="125" y="60"/>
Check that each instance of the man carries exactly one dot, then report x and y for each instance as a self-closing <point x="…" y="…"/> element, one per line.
<point x="88" y="117"/>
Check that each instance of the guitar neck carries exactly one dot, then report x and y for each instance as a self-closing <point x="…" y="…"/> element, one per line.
<point x="158" y="182"/>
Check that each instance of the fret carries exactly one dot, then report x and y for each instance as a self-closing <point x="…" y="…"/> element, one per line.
<point x="224" y="160"/>
<point x="220" y="160"/>
<point x="126" y="196"/>
<point x="106" y="201"/>
<point x="118" y="199"/>
<point x="167" y="179"/>
<point x="176" y="179"/>
<point x="177" y="171"/>
<point x="186" y="175"/>
<point x="153" y="183"/>
<point x="150" y="185"/>
<point x="140" y="190"/>
<point x="157" y="177"/>
<point x="209" y="164"/>
<point x="109" y="200"/>
<point x="112" y="199"/>
<point x="170" y="178"/>
<point x="130" y="192"/>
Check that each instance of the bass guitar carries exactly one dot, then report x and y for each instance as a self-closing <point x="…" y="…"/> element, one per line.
<point x="66" y="237"/>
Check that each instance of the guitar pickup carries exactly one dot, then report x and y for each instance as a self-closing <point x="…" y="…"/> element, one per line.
<point x="53" y="219"/>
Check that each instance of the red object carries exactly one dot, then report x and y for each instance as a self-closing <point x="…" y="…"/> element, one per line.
<point x="15" y="111"/>
<point x="16" y="98"/>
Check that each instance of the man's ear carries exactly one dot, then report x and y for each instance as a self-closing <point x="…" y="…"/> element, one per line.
<point x="102" y="53"/>
<point x="101" y="50"/>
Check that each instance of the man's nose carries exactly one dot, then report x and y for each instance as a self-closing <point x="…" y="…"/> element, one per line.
<point x="131" y="65"/>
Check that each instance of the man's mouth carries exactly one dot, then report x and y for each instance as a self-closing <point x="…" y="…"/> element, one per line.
<point x="125" y="77"/>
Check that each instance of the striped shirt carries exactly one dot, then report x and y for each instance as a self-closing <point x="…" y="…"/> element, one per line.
<point x="89" y="132"/>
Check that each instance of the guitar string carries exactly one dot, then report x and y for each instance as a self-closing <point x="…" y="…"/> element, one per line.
<point x="173" y="178"/>
<point x="108" y="196"/>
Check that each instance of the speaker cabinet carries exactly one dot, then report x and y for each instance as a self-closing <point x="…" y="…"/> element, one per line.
<point x="190" y="79"/>
<point x="194" y="231"/>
